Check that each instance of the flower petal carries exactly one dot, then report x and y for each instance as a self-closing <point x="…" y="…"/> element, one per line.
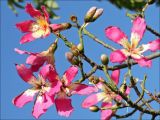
<point x="138" y="29"/>
<point x="42" y="104"/>
<point x="118" y="56"/>
<point x="115" y="76"/>
<point x="70" y="74"/>
<point x="24" y="98"/>
<point x="27" y="38"/>
<point x="35" y="59"/>
<point x="32" y="11"/>
<point x="45" y="13"/>
<point x="63" y="106"/>
<point x="152" y="46"/>
<point x="143" y="62"/>
<point x="25" y="73"/>
<point x="106" y="114"/>
<point x="25" y="26"/>
<point x="82" y="89"/>
<point x="93" y="99"/>
<point x="23" y="52"/>
<point x="115" y="34"/>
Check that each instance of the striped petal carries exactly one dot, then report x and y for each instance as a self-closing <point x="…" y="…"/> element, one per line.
<point x="24" y="98"/>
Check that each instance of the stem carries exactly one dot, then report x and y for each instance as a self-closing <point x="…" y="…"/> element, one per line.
<point x="97" y="40"/>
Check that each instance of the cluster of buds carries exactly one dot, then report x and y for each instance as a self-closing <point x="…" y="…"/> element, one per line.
<point x="94" y="79"/>
<point x="93" y="14"/>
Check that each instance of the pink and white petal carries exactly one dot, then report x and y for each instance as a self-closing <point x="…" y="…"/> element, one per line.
<point x="119" y="56"/>
<point x="152" y="46"/>
<point x="93" y="99"/>
<point x="25" y="26"/>
<point x="38" y="107"/>
<point x="45" y="13"/>
<point x="63" y="105"/>
<point x="106" y="114"/>
<point x="143" y="62"/>
<point x="82" y="89"/>
<point x="23" y="52"/>
<point x="127" y="91"/>
<point x="32" y="11"/>
<point x="55" y="27"/>
<point x="138" y="29"/>
<point x="27" y="38"/>
<point x="69" y="75"/>
<point x="115" y="34"/>
<point x="24" y="98"/>
<point x="115" y="76"/>
<point x="35" y="59"/>
<point x="25" y="73"/>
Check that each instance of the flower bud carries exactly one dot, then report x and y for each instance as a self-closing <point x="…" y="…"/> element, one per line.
<point x="80" y="47"/>
<point x="94" y="108"/>
<point x="97" y="14"/>
<point x="93" y="79"/>
<point x="75" y="61"/>
<point x="75" y="50"/>
<point x="104" y="59"/>
<point x="123" y="87"/>
<point x="90" y="13"/>
<point x="73" y="18"/>
<point x="60" y="27"/>
<point x="69" y="56"/>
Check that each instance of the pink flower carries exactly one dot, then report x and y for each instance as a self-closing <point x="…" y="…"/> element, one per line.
<point x="105" y="96"/>
<point x="131" y="49"/>
<point x="36" y="60"/>
<point x="36" y="29"/>
<point x="44" y="89"/>
<point x="62" y="100"/>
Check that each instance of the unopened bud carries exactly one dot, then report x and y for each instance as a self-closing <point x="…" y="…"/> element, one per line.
<point x="75" y="61"/>
<point x="97" y="14"/>
<point x="123" y="87"/>
<point x="93" y="79"/>
<point x="94" y="108"/>
<point x="104" y="59"/>
<point x="69" y="56"/>
<point x="75" y="50"/>
<point x="90" y="13"/>
<point x="52" y="48"/>
<point x="73" y="18"/>
<point x="80" y="47"/>
<point x="60" y="27"/>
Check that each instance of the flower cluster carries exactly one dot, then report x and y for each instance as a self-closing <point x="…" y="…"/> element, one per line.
<point x="48" y="88"/>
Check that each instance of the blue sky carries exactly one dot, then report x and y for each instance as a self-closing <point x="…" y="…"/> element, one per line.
<point x="11" y="83"/>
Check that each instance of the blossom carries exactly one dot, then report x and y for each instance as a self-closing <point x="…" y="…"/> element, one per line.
<point x="36" y="60"/>
<point x="62" y="100"/>
<point x="131" y="49"/>
<point x="35" y="28"/>
<point x="43" y="90"/>
<point x="105" y="96"/>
